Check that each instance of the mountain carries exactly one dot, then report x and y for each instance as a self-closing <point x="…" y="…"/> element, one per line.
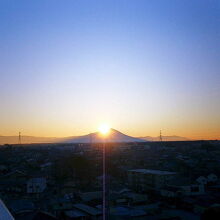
<point x="165" y="138"/>
<point x="113" y="136"/>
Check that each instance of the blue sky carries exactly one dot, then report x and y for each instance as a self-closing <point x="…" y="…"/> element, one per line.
<point x="141" y="66"/>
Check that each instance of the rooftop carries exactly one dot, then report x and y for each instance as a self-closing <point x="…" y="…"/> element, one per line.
<point x="154" y="172"/>
<point x="87" y="209"/>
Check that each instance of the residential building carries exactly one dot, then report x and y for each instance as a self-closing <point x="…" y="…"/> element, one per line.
<point x="143" y="179"/>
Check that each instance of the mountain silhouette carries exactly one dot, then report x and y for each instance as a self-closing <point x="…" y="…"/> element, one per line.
<point x="96" y="137"/>
<point x="113" y="136"/>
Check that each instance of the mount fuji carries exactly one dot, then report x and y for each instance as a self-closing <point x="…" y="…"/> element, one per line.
<point x="114" y="136"/>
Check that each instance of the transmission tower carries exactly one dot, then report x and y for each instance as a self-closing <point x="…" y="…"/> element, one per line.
<point x="161" y="136"/>
<point x="19" y="137"/>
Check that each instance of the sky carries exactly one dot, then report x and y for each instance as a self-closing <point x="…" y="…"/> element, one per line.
<point x="139" y="65"/>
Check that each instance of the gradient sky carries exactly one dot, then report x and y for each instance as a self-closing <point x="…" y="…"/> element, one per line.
<point x="140" y="65"/>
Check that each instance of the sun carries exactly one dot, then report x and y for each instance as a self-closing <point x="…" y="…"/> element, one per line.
<point x="104" y="129"/>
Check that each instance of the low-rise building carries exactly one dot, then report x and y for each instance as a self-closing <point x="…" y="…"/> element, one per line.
<point x="142" y="179"/>
<point x="187" y="190"/>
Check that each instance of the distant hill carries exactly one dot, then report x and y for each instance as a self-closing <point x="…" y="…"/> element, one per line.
<point x="165" y="138"/>
<point x="28" y="139"/>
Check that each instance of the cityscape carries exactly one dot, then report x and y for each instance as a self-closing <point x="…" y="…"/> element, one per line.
<point x="144" y="180"/>
<point x="110" y="110"/>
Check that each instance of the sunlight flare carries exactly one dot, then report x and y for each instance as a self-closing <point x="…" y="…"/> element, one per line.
<point x="104" y="129"/>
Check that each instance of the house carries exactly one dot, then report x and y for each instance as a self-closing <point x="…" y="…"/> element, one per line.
<point x="133" y="198"/>
<point x="212" y="177"/>
<point x="61" y="205"/>
<point x="46" y="166"/>
<point x="15" y="175"/>
<point x="3" y="169"/>
<point x="35" y="215"/>
<point x="94" y="213"/>
<point x="15" y="186"/>
<point x="150" y="208"/>
<point x="202" y="180"/>
<point x="193" y="189"/>
<point x="91" y="197"/>
<point x="203" y="202"/>
<point x="122" y="212"/>
<point x="36" y="185"/>
<point x="20" y="206"/>
<point x="75" y="214"/>
<point x="68" y="187"/>
<point x="142" y="179"/>
<point x="177" y="214"/>
<point x="128" y="198"/>
<point x="169" y="191"/>
<point x="182" y="186"/>
<point x="187" y="190"/>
